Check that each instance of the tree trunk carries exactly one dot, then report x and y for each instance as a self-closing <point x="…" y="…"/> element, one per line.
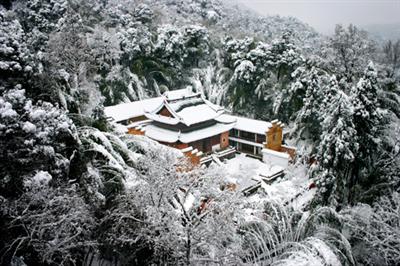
<point x="189" y="246"/>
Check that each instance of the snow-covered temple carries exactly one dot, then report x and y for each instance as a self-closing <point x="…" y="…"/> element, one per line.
<point x="187" y="121"/>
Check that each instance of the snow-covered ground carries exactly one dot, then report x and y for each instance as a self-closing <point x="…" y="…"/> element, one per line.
<point x="292" y="189"/>
<point x="245" y="171"/>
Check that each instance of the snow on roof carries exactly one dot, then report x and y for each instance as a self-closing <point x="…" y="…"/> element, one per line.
<point x="161" y="134"/>
<point x="162" y="118"/>
<point x="247" y="124"/>
<point x="186" y="107"/>
<point x="216" y="108"/>
<point x="170" y="136"/>
<point x="205" y="132"/>
<point x="226" y="119"/>
<point x="197" y="113"/>
<point x="125" y="111"/>
<point x="120" y="129"/>
<point x="179" y="104"/>
<point x="141" y="123"/>
<point x="178" y="94"/>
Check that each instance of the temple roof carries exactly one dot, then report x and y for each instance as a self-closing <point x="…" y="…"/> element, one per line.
<point x="124" y="111"/>
<point x="247" y="124"/>
<point x="188" y="108"/>
<point x="184" y="107"/>
<point x="171" y="136"/>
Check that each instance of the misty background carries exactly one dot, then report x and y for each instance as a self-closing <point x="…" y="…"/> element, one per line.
<point x="381" y="18"/>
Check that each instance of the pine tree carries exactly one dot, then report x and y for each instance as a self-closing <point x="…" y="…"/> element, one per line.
<point x="337" y="150"/>
<point x="15" y="60"/>
<point x="367" y="119"/>
<point x="366" y="114"/>
<point x="309" y="117"/>
<point x="285" y="55"/>
<point x="331" y="92"/>
<point x="33" y="136"/>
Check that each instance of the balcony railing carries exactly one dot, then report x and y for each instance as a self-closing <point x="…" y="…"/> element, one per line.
<point x="253" y="138"/>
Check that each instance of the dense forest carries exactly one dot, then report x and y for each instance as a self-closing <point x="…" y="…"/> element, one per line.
<point x="75" y="190"/>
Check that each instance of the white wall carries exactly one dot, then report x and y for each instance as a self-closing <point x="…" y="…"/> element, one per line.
<point x="275" y="158"/>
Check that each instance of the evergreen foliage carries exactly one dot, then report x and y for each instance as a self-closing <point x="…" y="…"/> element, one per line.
<point x="337" y="150"/>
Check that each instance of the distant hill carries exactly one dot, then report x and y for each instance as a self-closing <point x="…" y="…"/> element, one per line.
<point x="384" y="32"/>
<point x="224" y="17"/>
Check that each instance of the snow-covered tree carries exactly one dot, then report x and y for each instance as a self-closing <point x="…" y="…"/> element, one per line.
<point x="135" y="41"/>
<point x="309" y="118"/>
<point x="105" y="47"/>
<point x="352" y="49"/>
<point x="143" y="13"/>
<point x="367" y="117"/>
<point x="197" y="44"/>
<point x="331" y="91"/>
<point x="244" y="72"/>
<point x="39" y="18"/>
<point x="262" y="75"/>
<point x="170" y="45"/>
<point x="391" y="53"/>
<point x="287" y="237"/>
<point x="285" y="55"/>
<point x="175" y="217"/>
<point x="237" y="49"/>
<point x="337" y="151"/>
<point x="33" y="136"/>
<point x="374" y="230"/>
<point x="283" y="60"/>
<point x="15" y="59"/>
<point x="73" y="66"/>
<point x="47" y="225"/>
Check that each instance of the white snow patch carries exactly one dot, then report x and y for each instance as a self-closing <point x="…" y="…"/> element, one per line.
<point x="245" y="171"/>
<point x="179" y="94"/>
<point x="64" y="74"/>
<point x="247" y="124"/>
<point x="189" y="202"/>
<point x="41" y="178"/>
<point x="28" y="127"/>
<point x="292" y="189"/>
<point x="125" y="111"/>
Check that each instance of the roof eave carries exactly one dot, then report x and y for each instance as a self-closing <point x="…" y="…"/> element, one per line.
<point x="162" y="119"/>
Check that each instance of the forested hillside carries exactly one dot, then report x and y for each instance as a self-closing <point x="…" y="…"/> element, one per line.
<point x="75" y="190"/>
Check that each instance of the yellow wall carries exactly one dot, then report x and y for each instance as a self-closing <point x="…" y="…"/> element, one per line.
<point x="274" y="137"/>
